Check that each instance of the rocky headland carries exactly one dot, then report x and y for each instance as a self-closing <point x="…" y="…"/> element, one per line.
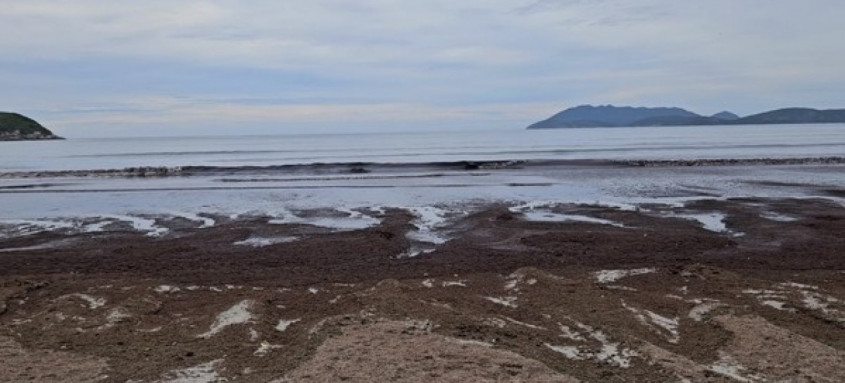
<point x="17" y="127"/>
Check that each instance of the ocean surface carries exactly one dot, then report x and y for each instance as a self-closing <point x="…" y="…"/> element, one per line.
<point x="779" y="141"/>
<point x="54" y="184"/>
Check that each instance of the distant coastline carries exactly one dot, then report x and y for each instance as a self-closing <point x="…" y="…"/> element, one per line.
<point x="17" y="127"/>
<point x="589" y="116"/>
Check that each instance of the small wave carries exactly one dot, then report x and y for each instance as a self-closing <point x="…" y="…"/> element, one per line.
<point x="359" y="168"/>
<point x="31" y="186"/>
<point x="313" y="168"/>
<point x="350" y="178"/>
<point x="143" y="171"/>
<point x="736" y="162"/>
<point x="179" y="154"/>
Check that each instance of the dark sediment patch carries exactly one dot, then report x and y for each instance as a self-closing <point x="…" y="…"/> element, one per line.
<point x="658" y="299"/>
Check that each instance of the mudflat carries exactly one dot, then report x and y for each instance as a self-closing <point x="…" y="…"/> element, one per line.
<point x="720" y="290"/>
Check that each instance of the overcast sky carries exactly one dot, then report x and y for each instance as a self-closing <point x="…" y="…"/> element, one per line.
<point x="172" y="67"/>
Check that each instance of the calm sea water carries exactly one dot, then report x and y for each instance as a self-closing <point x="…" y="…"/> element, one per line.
<point x="61" y="200"/>
<point x="607" y="143"/>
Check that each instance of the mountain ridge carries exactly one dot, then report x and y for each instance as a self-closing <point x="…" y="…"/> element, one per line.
<point x="612" y="116"/>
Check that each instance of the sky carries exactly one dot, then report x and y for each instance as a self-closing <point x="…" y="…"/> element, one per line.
<point x="91" y="68"/>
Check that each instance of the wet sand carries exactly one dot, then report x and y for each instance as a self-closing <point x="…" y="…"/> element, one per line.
<point x="737" y="290"/>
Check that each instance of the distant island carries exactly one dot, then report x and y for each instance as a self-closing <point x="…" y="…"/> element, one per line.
<point x="587" y="116"/>
<point x="16" y="127"/>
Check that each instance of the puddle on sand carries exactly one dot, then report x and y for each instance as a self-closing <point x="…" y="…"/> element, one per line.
<point x="340" y="219"/>
<point x="256" y="241"/>
<point x="549" y="216"/>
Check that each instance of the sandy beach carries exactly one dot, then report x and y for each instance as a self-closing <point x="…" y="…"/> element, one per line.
<point x="522" y="191"/>
<point x="713" y="290"/>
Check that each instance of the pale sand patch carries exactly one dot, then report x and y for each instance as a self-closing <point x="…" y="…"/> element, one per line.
<point x="389" y="352"/>
<point x="93" y="302"/>
<point x="284" y="324"/>
<point x="115" y="316"/>
<point x="570" y="352"/>
<point x="779" y="354"/>
<point x="609" y="276"/>
<point x="237" y="314"/>
<point x="569" y="333"/>
<point x="203" y="373"/>
<point x="519" y="277"/>
<point x="523" y="324"/>
<point x="610" y="353"/>
<point x="504" y="301"/>
<point x="265" y="348"/>
<point x="166" y="289"/>
<point x="684" y="368"/>
<point x="731" y="368"/>
<point x="660" y="324"/>
<point x="777" y="305"/>
<point x="790" y="295"/>
<point x="494" y="322"/>
<point x="700" y="311"/>
<point x="20" y="365"/>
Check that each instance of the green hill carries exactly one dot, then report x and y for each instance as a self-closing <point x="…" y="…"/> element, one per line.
<point x="15" y="127"/>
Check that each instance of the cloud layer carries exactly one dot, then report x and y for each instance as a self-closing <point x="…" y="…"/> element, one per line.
<point x="96" y="67"/>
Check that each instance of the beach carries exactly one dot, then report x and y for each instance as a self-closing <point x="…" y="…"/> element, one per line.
<point x="598" y="269"/>
<point x="710" y="290"/>
<point x="422" y="192"/>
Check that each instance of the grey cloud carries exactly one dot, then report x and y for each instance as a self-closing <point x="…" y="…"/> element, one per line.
<point x="437" y="55"/>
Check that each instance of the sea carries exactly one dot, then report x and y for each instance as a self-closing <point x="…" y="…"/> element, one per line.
<point x="696" y="142"/>
<point x="55" y="182"/>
